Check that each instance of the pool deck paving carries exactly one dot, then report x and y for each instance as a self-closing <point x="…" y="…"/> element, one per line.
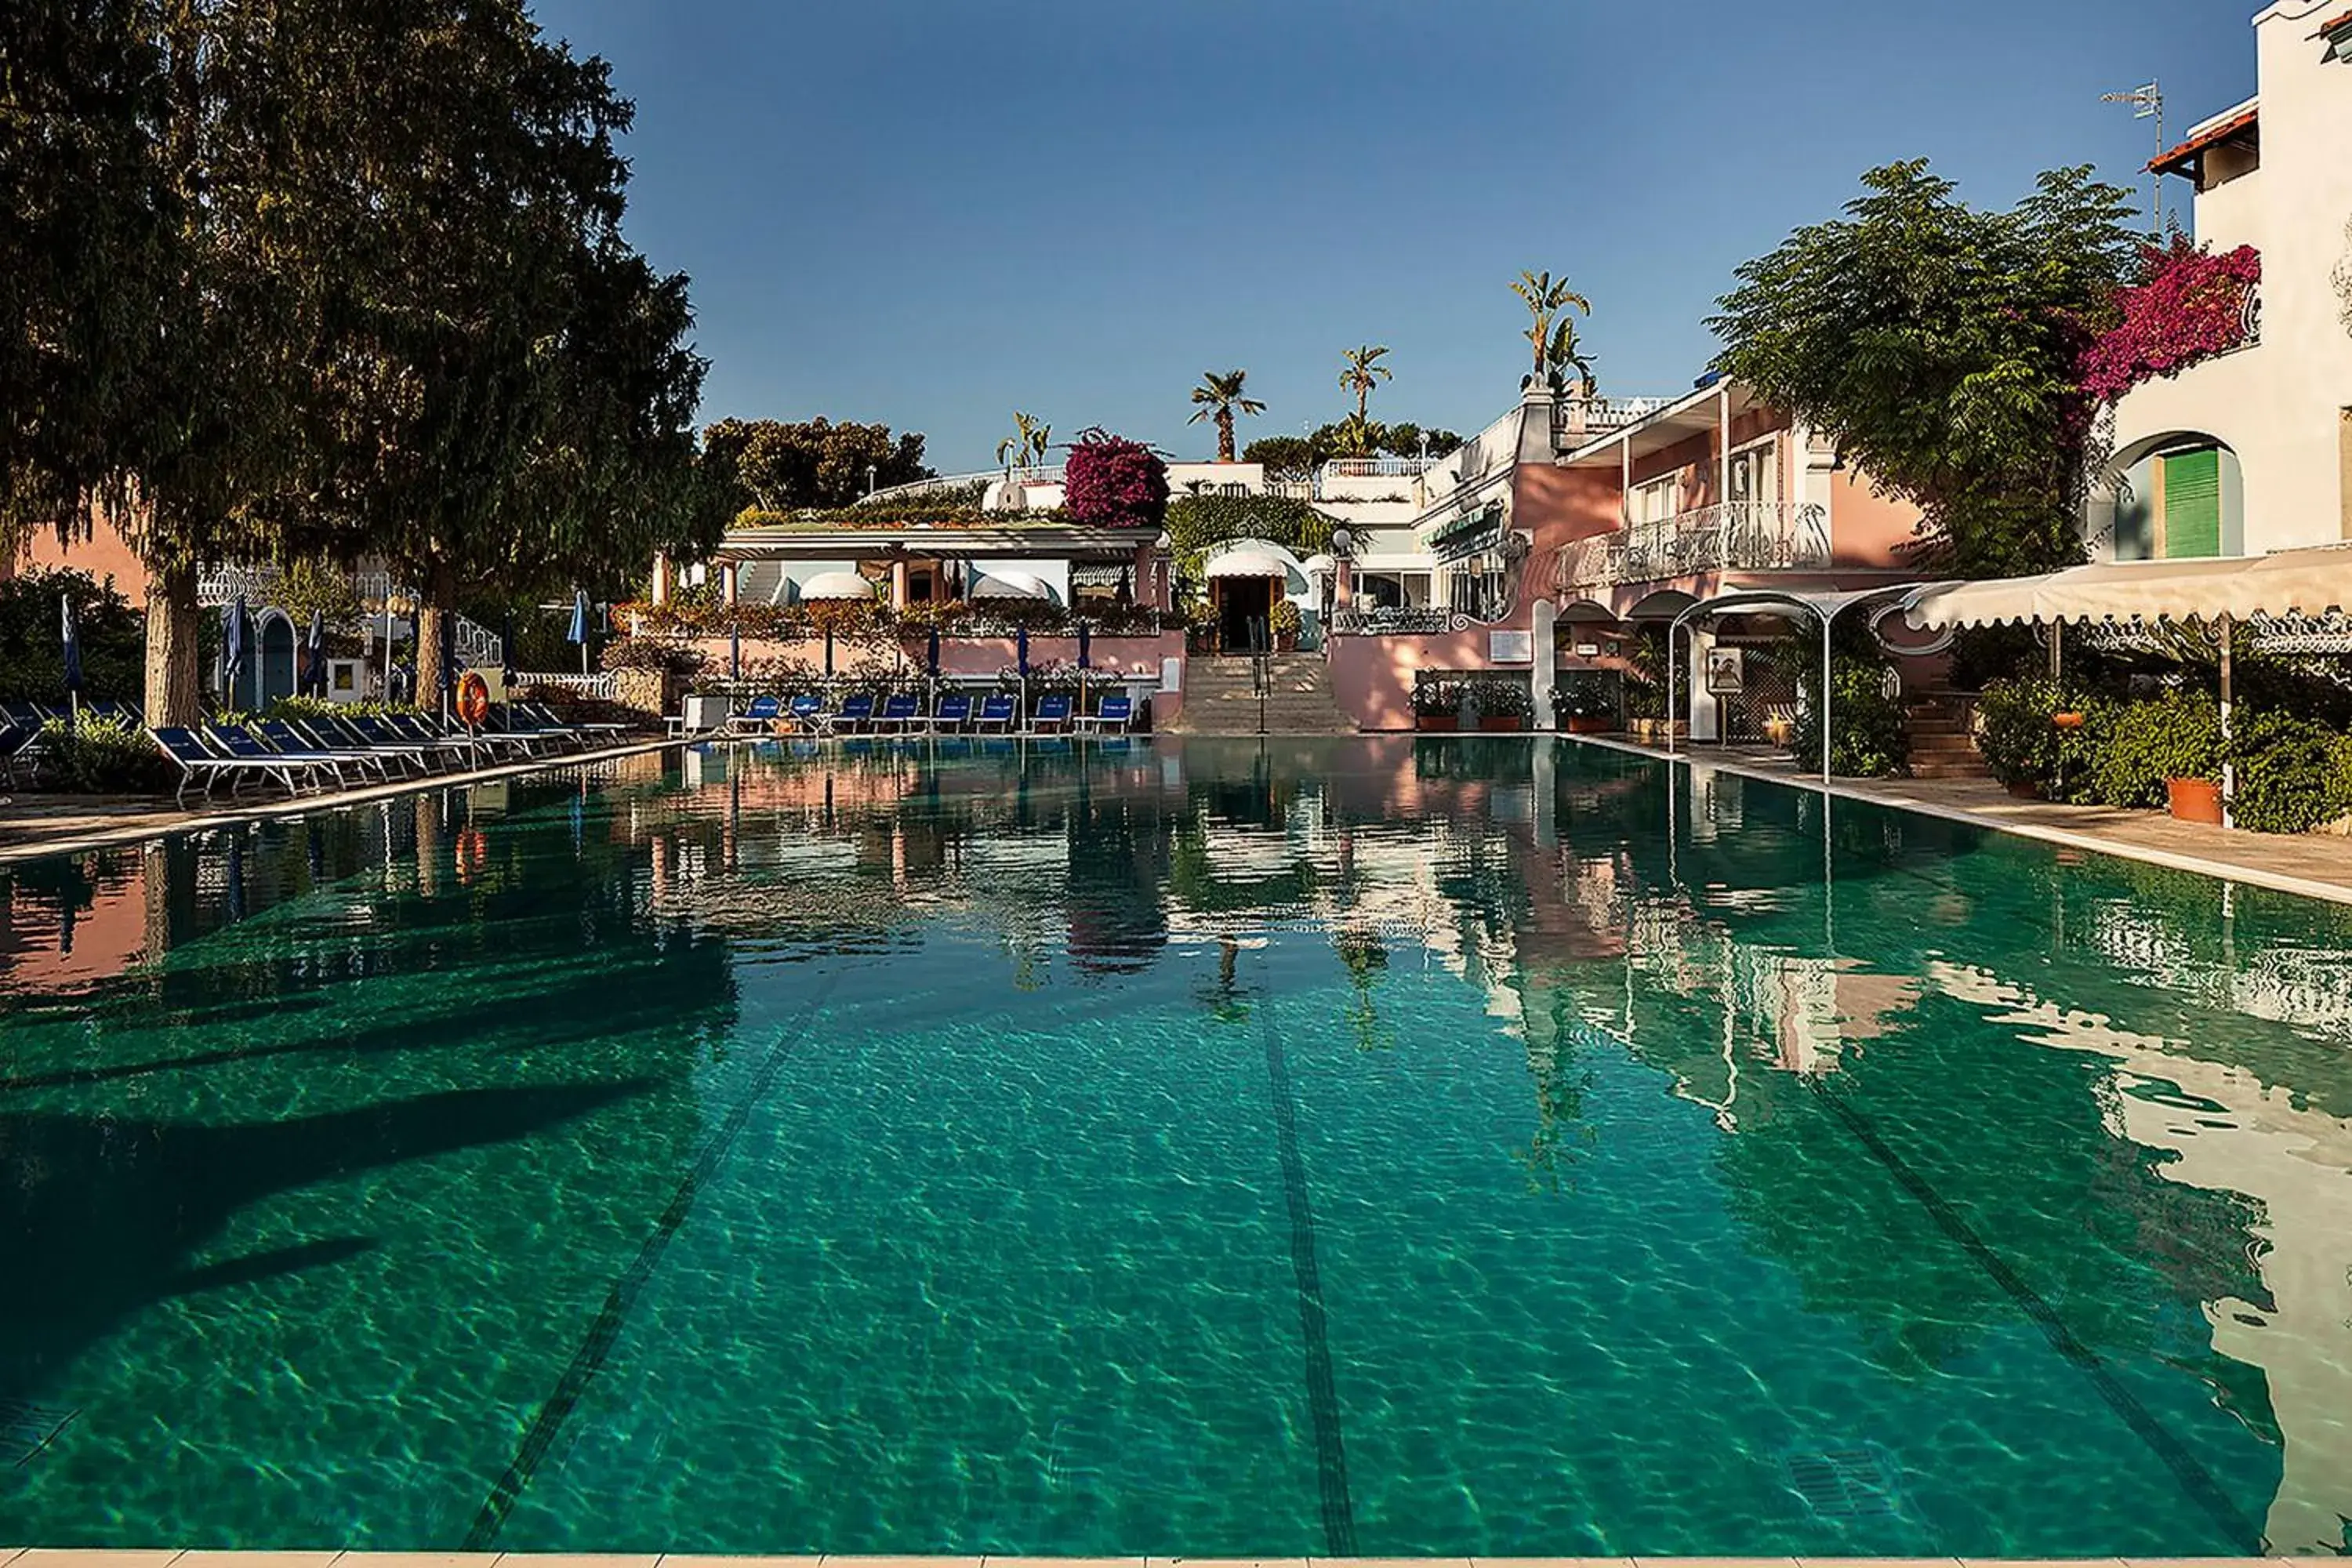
<point x="2313" y="865"/>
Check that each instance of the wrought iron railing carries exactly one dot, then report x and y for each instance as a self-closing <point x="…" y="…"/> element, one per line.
<point x="219" y="581"/>
<point x="605" y="685"/>
<point x="1735" y="536"/>
<point x="1398" y="622"/>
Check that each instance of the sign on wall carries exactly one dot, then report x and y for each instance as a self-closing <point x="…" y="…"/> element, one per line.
<point x="1727" y="671"/>
<point x="1510" y="648"/>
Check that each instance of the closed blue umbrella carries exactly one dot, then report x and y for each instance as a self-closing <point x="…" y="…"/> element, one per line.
<point x="1086" y="642"/>
<point x="828" y="653"/>
<point x="314" y="656"/>
<point x="1020" y="651"/>
<point x="72" y="635"/>
<point x="932" y="653"/>
<point x="232" y="647"/>
<point x="734" y="652"/>
<point x="579" y="632"/>
<point x="506" y="650"/>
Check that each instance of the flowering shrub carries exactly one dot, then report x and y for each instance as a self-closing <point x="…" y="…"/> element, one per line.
<point x="1113" y="482"/>
<point x="2190" y="308"/>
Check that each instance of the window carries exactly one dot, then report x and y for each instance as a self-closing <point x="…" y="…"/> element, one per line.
<point x="2192" y="504"/>
<point x="1477" y="588"/>
<point x="1756" y="475"/>
<point x="1655" y="500"/>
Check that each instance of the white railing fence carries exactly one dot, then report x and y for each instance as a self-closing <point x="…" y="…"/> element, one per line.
<point x="1379" y="468"/>
<point x="1576" y="419"/>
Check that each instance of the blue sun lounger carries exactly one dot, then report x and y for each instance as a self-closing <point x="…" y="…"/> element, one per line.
<point x="995" y="713"/>
<point x="1053" y="714"/>
<point x="1112" y="716"/>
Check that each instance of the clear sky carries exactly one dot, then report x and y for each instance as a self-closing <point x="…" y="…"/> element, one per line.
<point x="934" y="212"/>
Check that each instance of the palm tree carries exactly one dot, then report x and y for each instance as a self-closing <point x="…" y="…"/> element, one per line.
<point x="1545" y="300"/>
<point x="1220" y="398"/>
<point x="1031" y="439"/>
<point x="1363" y="373"/>
<point x="1565" y="354"/>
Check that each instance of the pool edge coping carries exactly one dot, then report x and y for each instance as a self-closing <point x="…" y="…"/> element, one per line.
<point x="2070" y="838"/>
<point x="37" y="849"/>
<point x="164" y="1557"/>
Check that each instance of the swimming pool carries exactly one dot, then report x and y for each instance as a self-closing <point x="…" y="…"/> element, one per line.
<point x="1364" y="1146"/>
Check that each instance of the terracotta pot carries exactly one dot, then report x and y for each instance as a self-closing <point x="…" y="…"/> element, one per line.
<point x="2067" y="720"/>
<point x="1582" y="726"/>
<point x="1504" y="723"/>
<point x="1443" y="723"/>
<point x="2195" y="800"/>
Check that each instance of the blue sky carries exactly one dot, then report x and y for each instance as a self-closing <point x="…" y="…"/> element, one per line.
<point x="933" y="212"/>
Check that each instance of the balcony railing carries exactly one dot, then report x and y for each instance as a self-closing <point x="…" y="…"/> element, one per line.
<point x="1576" y="419"/>
<point x="1735" y="536"/>
<point x="1379" y="468"/>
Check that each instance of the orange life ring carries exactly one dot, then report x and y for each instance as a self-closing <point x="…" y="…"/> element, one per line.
<point x="473" y="699"/>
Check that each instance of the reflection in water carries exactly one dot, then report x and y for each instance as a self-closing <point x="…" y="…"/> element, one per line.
<point x="2043" y="1169"/>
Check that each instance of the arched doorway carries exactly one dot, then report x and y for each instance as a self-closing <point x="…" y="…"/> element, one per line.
<point x="275" y="668"/>
<point x="2178" y="496"/>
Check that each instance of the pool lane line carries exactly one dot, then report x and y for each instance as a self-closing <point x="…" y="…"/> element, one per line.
<point x="1322" y="1389"/>
<point x="2194" y="1479"/>
<point x="622" y="1299"/>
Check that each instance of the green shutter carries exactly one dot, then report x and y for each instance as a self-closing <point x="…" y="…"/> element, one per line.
<point x="2192" y="504"/>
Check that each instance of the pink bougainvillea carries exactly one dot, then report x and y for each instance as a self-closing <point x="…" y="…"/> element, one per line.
<point x="2191" y="306"/>
<point x="1114" y="482"/>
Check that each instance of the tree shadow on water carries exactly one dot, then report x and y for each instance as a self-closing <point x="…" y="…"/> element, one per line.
<point x="101" y="1216"/>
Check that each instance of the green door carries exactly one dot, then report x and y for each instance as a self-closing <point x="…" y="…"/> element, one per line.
<point x="2192" y="504"/>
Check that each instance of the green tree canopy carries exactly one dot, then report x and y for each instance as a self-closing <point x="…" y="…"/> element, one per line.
<point x="1936" y="344"/>
<point x="1295" y="456"/>
<point x="780" y="467"/>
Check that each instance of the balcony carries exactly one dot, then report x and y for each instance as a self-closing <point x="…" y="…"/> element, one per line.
<point x="1576" y="420"/>
<point x="1736" y="536"/>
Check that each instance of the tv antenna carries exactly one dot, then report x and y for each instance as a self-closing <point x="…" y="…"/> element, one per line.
<point x="2148" y="103"/>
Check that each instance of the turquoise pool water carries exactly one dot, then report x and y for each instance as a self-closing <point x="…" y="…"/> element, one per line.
<point x="1365" y="1146"/>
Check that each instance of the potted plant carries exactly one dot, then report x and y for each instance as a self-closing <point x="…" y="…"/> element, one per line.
<point x="1582" y="704"/>
<point x="2194" y="800"/>
<point x="1503" y="705"/>
<point x="1437" y="704"/>
<point x="1286" y="623"/>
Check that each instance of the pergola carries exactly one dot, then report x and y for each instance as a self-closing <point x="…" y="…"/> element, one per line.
<point x="972" y="545"/>
<point x="1825" y="606"/>
<point x="2295" y="597"/>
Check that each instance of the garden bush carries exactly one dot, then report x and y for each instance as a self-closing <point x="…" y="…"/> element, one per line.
<point x="1872" y="738"/>
<point x="2138" y="745"/>
<point x="1113" y="482"/>
<point x="2020" y="746"/>
<point x="2292" y="773"/>
<point x="101" y="756"/>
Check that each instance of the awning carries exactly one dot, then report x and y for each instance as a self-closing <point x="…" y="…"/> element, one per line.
<point x="1246" y="563"/>
<point x="1010" y="585"/>
<point x="2289" y="582"/>
<point x="837" y="586"/>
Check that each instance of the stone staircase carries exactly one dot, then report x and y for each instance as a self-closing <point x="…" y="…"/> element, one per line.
<point x="1221" y="700"/>
<point x="1941" y="746"/>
